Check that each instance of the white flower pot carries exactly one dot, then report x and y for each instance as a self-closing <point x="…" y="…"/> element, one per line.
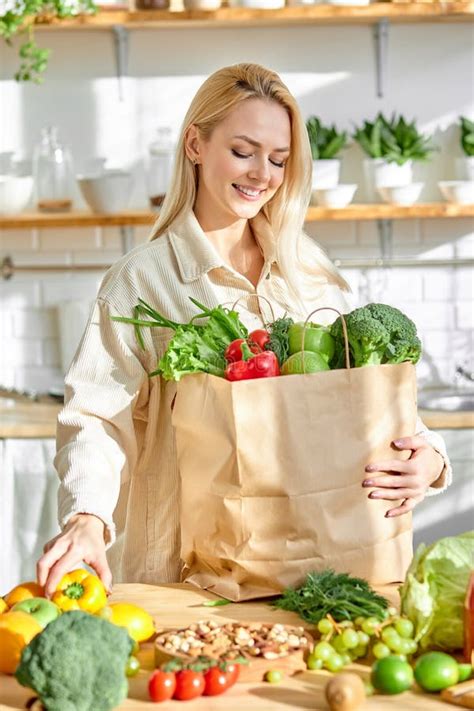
<point x="465" y="168"/>
<point x="381" y="174"/>
<point x="325" y="173"/>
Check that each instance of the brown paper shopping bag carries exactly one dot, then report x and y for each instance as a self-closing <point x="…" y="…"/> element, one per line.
<point x="271" y="472"/>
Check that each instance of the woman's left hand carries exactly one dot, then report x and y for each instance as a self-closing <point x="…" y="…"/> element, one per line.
<point x="407" y="480"/>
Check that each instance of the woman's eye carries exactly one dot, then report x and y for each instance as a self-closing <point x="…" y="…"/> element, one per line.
<point x="239" y="155"/>
<point x="278" y="165"/>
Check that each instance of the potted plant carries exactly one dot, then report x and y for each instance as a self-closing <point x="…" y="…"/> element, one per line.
<point x="466" y="163"/>
<point x="19" y="19"/>
<point x="326" y="143"/>
<point x="392" y="146"/>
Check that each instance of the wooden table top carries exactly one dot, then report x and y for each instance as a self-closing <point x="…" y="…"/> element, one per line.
<point x="179" y="605"/>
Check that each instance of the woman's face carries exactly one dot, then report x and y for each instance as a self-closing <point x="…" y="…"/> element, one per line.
<point x="242" y="164"/>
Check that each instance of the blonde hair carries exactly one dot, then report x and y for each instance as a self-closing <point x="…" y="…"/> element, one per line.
<point x="286" y="211"/>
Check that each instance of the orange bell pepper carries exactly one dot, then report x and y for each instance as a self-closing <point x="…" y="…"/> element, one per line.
<point x="80" y="590"/>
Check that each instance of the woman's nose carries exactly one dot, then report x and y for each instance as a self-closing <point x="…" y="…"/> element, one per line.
<point x="260" y="171"/>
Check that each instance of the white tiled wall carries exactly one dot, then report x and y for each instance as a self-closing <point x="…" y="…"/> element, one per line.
<point x="439" y="299"/>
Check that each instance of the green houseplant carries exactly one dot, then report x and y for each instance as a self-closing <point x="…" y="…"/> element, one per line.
<point x="465" y="164"/>
<point x="394" y="140"/>
<point x="392" y="146"/>
<point x="18" y="20"/>
<point x="326" y="143"/>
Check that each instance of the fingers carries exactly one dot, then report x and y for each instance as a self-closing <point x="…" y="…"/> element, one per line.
<point x="391" y="465"/>
<point x="101" y="567"/>
<point x="414" y="442"/>
<point x="55" y="549"/>
<point x="391" y="494"/>
<point x="67" y="562"/>
<point x="405" y="507"/>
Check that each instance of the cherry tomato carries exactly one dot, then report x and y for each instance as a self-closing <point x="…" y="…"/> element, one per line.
<point x="216" y="681"/>
<point x="161" y="685"/>
<point x="232" y="671"/>
<point x="189" y="685"/>
<point x="260" y="337"/>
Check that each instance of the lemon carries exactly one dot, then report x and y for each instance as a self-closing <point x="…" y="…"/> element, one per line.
<point x="137" y="621"/>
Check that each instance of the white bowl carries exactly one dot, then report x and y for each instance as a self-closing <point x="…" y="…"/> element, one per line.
<point x="401" y="194"/>
<point x="108" y="192"/>
<point x="338" y="196"/>
<point x="460" y="192"/>
<point x="15" y="193"/>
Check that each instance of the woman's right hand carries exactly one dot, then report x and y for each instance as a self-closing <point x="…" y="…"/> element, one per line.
<point x="81" y="541"/>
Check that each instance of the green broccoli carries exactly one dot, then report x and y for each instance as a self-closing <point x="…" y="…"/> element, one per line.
<point x="77" y="663"/>
<point x="377" y="333"/>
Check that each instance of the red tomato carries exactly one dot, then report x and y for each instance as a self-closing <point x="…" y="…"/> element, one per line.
<point x="260" y="337"/>
<point x="216" y="681"/>
<point x="232" y="671"/>
<point x="189" y="685"/>
<point x="161" y="685"/>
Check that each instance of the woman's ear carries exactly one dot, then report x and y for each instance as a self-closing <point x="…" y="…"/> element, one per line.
<point x="192" y="144"/>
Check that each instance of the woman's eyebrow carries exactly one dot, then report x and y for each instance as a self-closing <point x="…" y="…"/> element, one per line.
<point x="259" y="145"/>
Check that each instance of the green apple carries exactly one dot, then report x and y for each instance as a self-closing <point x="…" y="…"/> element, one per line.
<point x="304" y="362"/>
<point x="316" y="338"/>
<point x="44" y="611"/>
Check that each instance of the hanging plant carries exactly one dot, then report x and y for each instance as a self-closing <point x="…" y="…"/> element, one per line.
<point x="19" y="18"/>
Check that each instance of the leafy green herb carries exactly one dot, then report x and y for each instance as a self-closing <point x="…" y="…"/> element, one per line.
<point x="325" y="141"/>
<point x="216" y="603"/>
<point x="394" y="139"/>
<point x="467" y="135"/>
<point x="194" y="348"/>
<point x="338" y="594"/>
<point x="279" y="342"/>
<point x="19" y="19"/>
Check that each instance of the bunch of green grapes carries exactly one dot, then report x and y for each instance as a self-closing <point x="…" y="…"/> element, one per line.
<point x="341" y="643"/>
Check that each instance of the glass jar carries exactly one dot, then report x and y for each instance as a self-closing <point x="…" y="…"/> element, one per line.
<point x="160" y="166"/>
<point x="53" y="173"/>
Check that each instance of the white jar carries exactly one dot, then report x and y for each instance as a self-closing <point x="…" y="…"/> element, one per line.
<point x="326" y="173"/>
<point x="258" y="4"/>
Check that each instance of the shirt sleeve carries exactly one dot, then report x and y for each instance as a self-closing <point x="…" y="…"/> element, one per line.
<point x="437" y="442"/>
<point x="96" y="443"/>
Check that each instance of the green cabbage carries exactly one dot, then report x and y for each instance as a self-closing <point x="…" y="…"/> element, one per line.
<point x="434" y="590"/>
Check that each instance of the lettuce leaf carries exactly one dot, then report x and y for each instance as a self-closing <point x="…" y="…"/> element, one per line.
<point x="434" y="590"/>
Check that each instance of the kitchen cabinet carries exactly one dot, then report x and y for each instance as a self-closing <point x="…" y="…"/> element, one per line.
<point x="179" y="605"/>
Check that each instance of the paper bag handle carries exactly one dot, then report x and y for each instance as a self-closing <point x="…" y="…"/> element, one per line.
<point x="256" y="296"/>
<point x="344" y="331"/>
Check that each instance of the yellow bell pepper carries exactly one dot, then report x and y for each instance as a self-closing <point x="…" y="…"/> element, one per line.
<point x="80" y="590"/>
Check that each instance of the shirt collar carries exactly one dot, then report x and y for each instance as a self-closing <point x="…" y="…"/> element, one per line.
<point x="195" y="253"/>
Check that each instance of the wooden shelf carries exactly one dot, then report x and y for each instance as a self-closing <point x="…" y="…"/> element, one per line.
<point x="36" y="220"/>
<point x="402" y="12"/>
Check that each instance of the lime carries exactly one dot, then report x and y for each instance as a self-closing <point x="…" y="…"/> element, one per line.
<point x="391" y="675"/>
<point x="465" y="672"/>
<point x="132" y="666"/>
<point x="435" y="671"/>
<point x="304" y="362"/>
<point x="273" y="676"/>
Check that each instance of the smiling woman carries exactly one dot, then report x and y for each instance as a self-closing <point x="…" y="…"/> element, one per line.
<point x="230" y="228"/>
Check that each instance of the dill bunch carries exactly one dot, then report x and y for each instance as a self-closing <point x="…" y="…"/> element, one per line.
<point x="342" y="596"/>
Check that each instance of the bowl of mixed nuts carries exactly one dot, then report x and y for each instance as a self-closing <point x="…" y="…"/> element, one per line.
<point x="262" y="645"/>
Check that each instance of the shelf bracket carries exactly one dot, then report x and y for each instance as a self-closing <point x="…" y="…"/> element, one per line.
<point x="381" y="55"/>
<point x="385" y="230"/>
<point x="121" y="56"/>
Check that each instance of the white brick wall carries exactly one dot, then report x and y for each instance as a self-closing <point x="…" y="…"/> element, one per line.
<point x="440" y="300"/>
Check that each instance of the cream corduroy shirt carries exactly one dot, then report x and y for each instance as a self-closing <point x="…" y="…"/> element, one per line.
<point x="116" y="454"/>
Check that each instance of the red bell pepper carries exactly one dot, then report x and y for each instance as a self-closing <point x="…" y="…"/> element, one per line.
<point x="260" y="365"/>
<point x="256" y="341"/>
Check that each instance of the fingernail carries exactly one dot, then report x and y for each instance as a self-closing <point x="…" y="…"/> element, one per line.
<point x="398" y="442"/>
<point x="374" y="495"/>
<point x="369" y="468"/>
<point x="388" y="514"/>
<point x="367" y="482"/>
